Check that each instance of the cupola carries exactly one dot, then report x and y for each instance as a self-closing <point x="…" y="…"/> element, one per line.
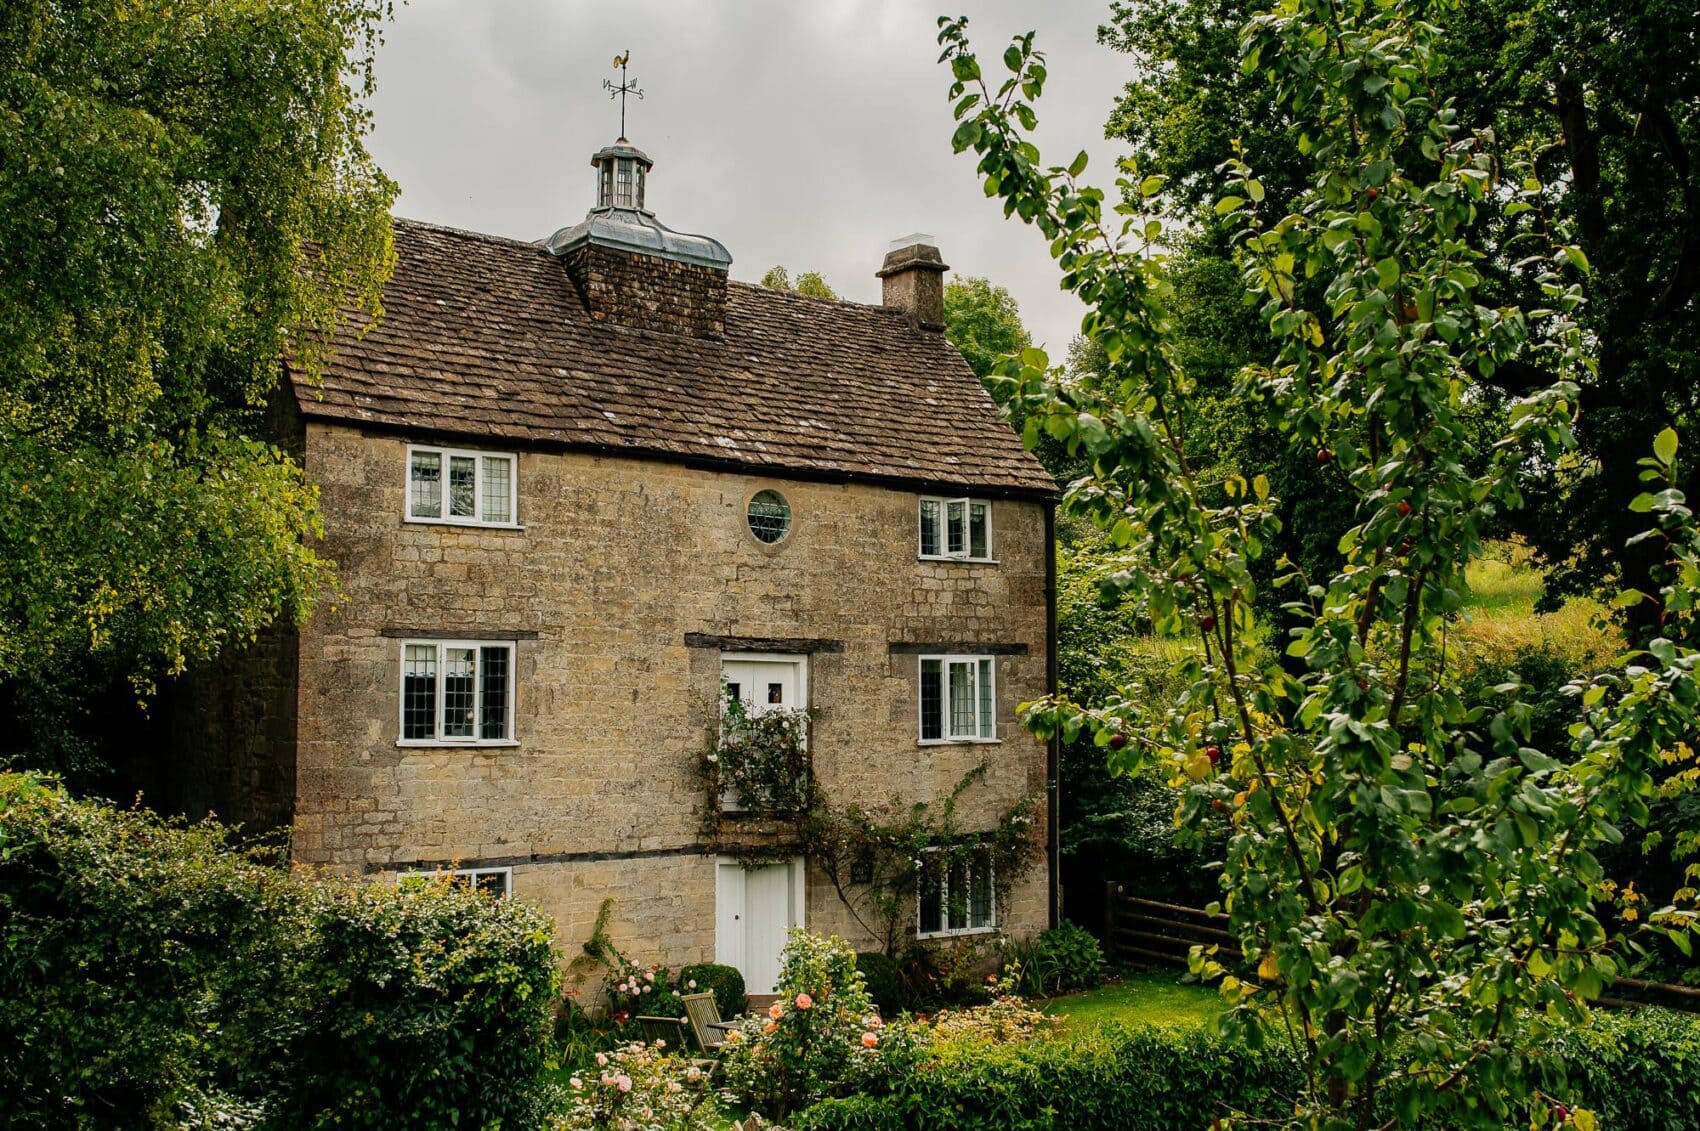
<point x="631" y="269"/>
<point x="621" y="170"/>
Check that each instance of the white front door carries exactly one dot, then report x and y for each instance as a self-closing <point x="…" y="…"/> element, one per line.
<point x="764" y="685"/>
<point x="754" y="908"/>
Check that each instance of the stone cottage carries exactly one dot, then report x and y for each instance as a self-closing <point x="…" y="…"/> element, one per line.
<point x="578" y="491"/>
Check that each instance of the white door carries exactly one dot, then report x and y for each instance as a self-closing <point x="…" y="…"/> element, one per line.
<point x="763" y="685"/>
<point x="754" y="908"/>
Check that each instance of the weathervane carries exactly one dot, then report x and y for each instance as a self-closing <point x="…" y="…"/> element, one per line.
<point x="626" y="87"/>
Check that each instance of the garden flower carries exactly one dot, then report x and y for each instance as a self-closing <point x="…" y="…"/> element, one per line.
<point x="576" y="1082"/>
<point x="693" y="983"/>
<point x="602" y="1059"/>
<point x="770" y="1027"/>
<point x="693" y="1074"/>
<point x="804" y="1001"/>
<point x="775" y="1011"/>
<point x="869" y="1040"/>
<point x="660" y="1043"/>
<point x="624" y="1081"/>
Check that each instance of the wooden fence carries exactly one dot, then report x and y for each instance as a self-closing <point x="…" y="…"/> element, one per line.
<point x="1145" y="932"/>
<point x="1141" y="932"/>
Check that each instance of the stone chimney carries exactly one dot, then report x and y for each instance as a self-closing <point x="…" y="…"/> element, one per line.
<point x="632" y="270"/>
<point x="913" y="274"/>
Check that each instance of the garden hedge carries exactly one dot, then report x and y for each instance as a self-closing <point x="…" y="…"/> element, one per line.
<point x="153" y="974"/>
<point x="1637" y="1072"/>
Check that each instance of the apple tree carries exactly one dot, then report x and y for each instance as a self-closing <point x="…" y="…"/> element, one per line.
<point x="1414" y="885"/>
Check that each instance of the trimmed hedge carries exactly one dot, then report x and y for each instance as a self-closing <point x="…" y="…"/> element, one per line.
<point x="153" y="974"/>
<point x="1638" y="1072"/>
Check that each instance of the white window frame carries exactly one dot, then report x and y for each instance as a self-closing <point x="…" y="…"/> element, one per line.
<point x="946" y="931"/>
<point x="944" y="554"/>
<point x="976" y="664"/>
<point x="477" y="690"/>
<point x="507" y="875"/>
<point x="478" y="457"/>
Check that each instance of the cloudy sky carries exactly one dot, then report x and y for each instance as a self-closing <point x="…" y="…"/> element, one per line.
<point x="807" y="133"/>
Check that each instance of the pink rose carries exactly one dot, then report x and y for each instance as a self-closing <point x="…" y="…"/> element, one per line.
<point x="624" y="1081"/>
<point x="869" y="1040"/>
<point x="804" y="1001"/>
<point x="775" y="1011"/>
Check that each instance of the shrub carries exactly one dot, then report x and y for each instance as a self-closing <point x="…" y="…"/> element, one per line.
<point x="636" y="1088"/>
<point x="884" y="981"/>
<point x="424" y="1005"/>
<point x="1062" y="958"/>
<point x="813" y="1040"/>
<point x="1636" y="1072"/>
<point x="1132" y="1080"/>
<point x="154" y="974"/>
<point x="724" y="982"/>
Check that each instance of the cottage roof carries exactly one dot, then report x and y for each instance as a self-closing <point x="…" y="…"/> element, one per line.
<point x="485" y="338"/>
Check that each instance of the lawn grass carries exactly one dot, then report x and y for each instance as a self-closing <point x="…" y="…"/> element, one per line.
<point x="1139" y="999"/>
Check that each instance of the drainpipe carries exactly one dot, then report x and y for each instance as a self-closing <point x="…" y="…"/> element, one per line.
<point x="1053" y="748"/>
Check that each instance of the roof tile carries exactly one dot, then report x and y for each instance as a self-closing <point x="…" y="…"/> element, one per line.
<point x="484" y="336"/>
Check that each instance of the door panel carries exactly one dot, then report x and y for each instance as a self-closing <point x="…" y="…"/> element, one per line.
<point x="754" y="909"/>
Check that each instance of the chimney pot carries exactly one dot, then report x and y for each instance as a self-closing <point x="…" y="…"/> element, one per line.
<point x="913" y="278"/>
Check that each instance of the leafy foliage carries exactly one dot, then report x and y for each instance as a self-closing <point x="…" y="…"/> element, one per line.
<point x="1408" y="874"/>
<point x="808" y="283"/>
<point x="1605" y="97"/>
<point x="875" y="858"/>
<point x="154" y="974"/>
<point x="186" y="198"/>
<point x="759" y="759"/>
<point x="637" y="1087"/>
<point x="812" y="1040"/>
<point x="982" y="320"/>
<point x="1061" y="958"/>
<point x="1635" y="1072"/>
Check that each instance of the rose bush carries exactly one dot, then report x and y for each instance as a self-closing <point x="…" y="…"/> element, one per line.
<point x="814" y="1041"/>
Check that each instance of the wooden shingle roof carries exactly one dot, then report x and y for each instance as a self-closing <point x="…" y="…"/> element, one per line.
<point x="484" y="338"/>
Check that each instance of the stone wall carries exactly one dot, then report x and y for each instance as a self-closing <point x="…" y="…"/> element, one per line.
<point x="649" y="292"/>
<point x="616" y="563"/>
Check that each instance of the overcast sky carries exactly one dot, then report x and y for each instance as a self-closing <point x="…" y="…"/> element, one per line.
<point x="807" y="133"/>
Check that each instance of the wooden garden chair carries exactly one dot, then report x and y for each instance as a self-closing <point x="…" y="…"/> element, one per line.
<point x="706" y="1025"/>
<point x="674" y="1031"/>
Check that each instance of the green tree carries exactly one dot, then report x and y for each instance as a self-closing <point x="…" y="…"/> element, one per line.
<point x="185" y="198"/>
<point x="808" y="283"/>
<point x="982" y="320"/>
<point x="1416" y="886"/>
<point x="1604" y="97"/>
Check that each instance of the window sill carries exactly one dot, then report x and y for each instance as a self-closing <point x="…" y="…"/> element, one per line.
<point x="955" y="561"/>
<point x="963" y="933"/>
<point x="465" y="523"/>
<point x="959" y="742"/>
<point x="456" y="743"/>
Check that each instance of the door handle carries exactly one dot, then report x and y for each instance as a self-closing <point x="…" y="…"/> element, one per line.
<point x="735" y="918"/>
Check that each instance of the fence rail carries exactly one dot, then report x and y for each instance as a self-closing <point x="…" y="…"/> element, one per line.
<point x="1144" y="932"/>
<point x="1140" y="932"/>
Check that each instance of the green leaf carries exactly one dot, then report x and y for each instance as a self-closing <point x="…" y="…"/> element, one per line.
<point x="1228" y="204"/>
<point x="1664" y="446"/>
<point x="1387" y="273"/>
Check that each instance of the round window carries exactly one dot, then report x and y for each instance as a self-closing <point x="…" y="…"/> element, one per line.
<point x="769" y="516"/>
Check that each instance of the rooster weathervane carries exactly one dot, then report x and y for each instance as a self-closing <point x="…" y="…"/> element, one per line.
<point x="624" y="88"/>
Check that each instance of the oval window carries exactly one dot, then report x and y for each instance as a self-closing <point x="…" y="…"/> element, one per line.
<point x="769" y="516"/>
